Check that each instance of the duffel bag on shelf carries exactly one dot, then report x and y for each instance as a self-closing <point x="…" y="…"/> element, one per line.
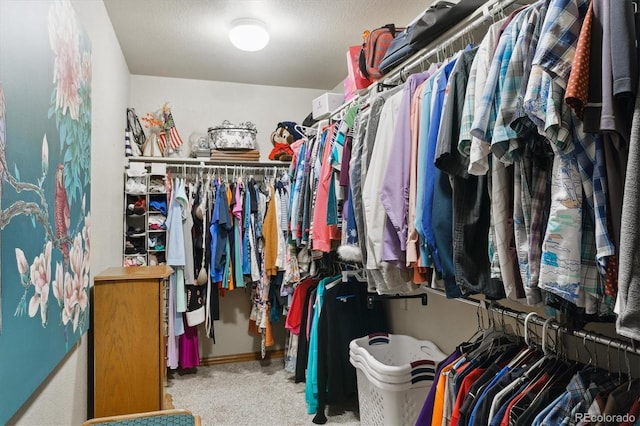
<point x="434" y="22"/>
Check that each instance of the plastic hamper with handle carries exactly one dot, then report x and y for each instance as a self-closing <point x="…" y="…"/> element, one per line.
<point x="394" y="374"/>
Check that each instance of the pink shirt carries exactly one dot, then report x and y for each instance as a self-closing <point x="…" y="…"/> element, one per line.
<point x="322" y="233"/>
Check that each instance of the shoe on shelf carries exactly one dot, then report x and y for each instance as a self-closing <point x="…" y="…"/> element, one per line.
<point x="137" y="208"/>
<point x="129" y="248"/>
<point x="135" y="232"/>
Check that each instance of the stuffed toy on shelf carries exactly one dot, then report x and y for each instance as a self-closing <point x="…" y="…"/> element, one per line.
<point x="281" y="139"/>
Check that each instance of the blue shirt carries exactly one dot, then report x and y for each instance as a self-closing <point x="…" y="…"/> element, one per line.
<point x="493" y="381"/>
<point x="425" y="120"/>
<point x="175" y="236"/>
<point x="430" y="174"/>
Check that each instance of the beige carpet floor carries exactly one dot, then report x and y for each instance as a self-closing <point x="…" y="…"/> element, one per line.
<point x="249" y="393"/>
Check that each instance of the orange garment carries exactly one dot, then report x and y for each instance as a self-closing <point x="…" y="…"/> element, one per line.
<point x="421" y="275"/>
<point x="268" y="332"/>
<point x="269" y="232"/>
<point x="253" y="327"/>
<point x="577" y="93"/>
<point x="438" y="403"/>
<point x="230" y="283"/>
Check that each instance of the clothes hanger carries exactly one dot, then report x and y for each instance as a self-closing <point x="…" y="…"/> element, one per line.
<point x="306" y="131"/>
<point x="529" y="351"/>
<point x="473" y="341"/>
<point x="626" y="356"/>
<point x="380" y="87"/>
<point x="358" y="274"/>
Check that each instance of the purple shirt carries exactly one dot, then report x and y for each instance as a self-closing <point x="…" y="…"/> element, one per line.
<point x="394" y="194"/>
<point x="424" y="419"/>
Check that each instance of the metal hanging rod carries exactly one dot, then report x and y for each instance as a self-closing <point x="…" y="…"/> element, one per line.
<point x="627" y="347"/>
<point x="230" y="171"/>
<point x="476" y="20"/>
<point x="203" y="162"/>
<point x="473" y="22"/>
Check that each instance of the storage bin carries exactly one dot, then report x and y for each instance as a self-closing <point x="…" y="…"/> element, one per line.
<point x="325" y="104"/>
<point x="394" y="374"/>
<point x="395" y="358"/>
<point x="384" y="404"/>
<point x="228" y="136"/>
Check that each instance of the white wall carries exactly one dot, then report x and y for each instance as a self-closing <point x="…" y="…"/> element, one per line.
<point x="449" y="322"/>
<point x="62" y="398"/>
<point x="197" y="104"/>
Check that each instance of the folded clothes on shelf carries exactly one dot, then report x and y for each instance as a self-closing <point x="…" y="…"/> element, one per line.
<point x="248" y="155"/>
<point x="158" y="206"/>
<point x="135" y="185"/>
<point x="157" y="185"/>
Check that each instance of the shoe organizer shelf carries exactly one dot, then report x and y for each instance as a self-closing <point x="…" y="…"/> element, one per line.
<point x="145" y="202"/>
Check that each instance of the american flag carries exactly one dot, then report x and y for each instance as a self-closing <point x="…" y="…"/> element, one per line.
<point x="173" y="139"/>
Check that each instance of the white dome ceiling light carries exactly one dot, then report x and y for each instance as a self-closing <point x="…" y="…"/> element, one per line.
<point x="249" y="35"/>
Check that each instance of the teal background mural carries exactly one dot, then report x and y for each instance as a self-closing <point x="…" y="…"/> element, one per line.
<point x="45" y="146"/>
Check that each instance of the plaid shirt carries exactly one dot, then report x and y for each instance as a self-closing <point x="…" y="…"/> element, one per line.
<point x="557" y="117"/>
<point x="560" y="32"/>
<point x="521" y="34"/>
<point x="590" y="155"/>
<point x="590" y="284"/>
<point x="478" y="148"/>
<point x="544" y="98"/>
<point x="485" y="117"/>
<point x="595" y="410"/>
<point x="580" y="393"/>
<point x="560" y="266"/>
<point x="530" y="188"/>
<point x="464" y="139"/>
<point x="521" y="122"/>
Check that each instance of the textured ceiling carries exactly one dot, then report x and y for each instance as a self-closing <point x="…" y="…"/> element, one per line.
<point x="309" y="38"/>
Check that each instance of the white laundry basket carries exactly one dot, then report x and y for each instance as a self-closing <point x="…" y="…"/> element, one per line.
<point x="394" y="374"/>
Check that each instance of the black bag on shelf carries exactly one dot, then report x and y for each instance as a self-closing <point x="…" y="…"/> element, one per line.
<point x="434" y="22"/>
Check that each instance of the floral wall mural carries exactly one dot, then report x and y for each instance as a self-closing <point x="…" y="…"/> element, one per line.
<point x="45" y="147"/>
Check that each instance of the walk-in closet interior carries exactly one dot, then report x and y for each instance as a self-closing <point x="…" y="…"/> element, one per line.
<point x="447" y="237"/>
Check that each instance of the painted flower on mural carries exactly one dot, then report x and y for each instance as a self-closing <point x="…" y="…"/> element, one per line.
<point x="76" y="284"/>
<point x="64" y="38"/>
<point x="58" y="283"/>
<point x="70" y="100"/>
<point x="71" y="288"/>
<point x="23" y="266"/>
<point x="38" y="276"/>
<point x="40" y="273"/>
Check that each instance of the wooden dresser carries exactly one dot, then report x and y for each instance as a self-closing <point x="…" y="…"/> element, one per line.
<point x="127" y="365"/>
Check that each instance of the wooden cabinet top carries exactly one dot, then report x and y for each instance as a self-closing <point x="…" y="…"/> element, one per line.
<point x="133" y="273"/>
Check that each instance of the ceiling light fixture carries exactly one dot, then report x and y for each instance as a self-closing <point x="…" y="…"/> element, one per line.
<point x="249" y="35"/>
